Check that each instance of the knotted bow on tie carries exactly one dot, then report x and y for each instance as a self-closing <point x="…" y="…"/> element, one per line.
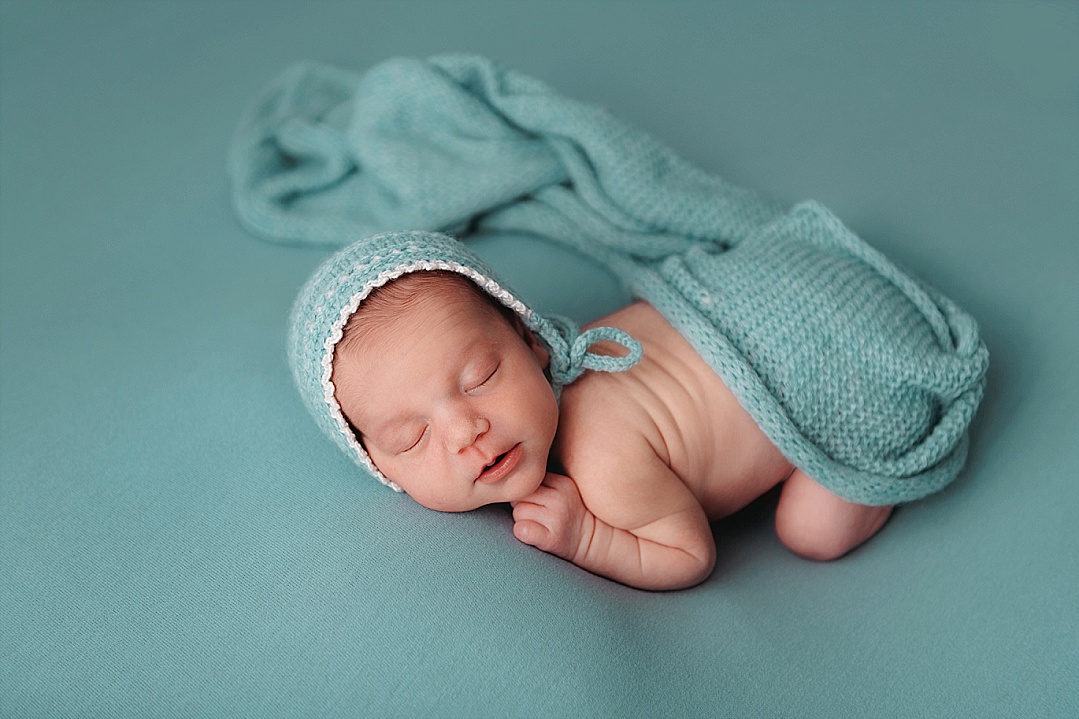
<point x="570" y="358"/>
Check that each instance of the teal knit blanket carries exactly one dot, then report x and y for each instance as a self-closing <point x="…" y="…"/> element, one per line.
<point x="864" y="377"/>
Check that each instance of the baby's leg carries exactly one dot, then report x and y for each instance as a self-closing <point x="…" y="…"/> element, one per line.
<point x="817" y="524"/>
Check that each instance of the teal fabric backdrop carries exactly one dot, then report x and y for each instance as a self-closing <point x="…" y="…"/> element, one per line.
<point x="178" y="539"/>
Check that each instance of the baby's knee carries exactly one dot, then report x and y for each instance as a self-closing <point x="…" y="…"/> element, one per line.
<point x="813" y="523"/>
<point x="810" y="539"/>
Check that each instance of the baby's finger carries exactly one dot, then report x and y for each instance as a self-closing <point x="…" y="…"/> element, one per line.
<point x="527" y="511"/>
<point x="532" y="533"/>
<point x="563" y="485"/>
<point x="556" y="480"/>
<point x="543" y="495"/>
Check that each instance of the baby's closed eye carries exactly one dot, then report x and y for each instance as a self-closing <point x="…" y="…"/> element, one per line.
<point x="413" y="444"/>
<point x="482" y="379"/>
<point x="400" y="440"/>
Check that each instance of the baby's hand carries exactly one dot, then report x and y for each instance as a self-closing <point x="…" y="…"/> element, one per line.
<point x="553" y="518"/>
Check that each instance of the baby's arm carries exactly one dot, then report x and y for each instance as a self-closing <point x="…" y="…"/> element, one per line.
<point x="649" y="532"/>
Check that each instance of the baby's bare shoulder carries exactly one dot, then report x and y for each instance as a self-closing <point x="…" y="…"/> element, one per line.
<point x="601" y="421"/>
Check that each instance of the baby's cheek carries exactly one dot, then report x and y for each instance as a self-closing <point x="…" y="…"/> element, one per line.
<point x="545" y="413"/>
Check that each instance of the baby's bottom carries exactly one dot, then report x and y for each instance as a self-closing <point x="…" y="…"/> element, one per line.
<point x="817" y="524"/>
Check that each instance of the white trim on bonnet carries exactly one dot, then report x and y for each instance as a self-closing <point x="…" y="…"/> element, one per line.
<point x="337" y="331"/>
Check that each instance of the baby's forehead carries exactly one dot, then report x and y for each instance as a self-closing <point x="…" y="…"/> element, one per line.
<point x="424" y="292"/>
<point x="397" y="307"/>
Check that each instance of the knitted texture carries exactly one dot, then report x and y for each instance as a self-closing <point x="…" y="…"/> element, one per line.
<point x="862" y="376"/>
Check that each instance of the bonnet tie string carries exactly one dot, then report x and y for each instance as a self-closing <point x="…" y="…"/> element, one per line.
<point x="572" y="358"/>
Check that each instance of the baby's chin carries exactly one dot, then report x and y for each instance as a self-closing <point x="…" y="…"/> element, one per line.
<point x="515" y="488"/>
<point x="528" y="487"/>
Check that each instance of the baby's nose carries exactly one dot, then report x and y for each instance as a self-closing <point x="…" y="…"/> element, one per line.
<point x="467" y="430"/>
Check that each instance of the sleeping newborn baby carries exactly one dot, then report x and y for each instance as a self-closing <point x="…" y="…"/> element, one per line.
<point x="765" y="344"/>
<point x="448" y="395"/>
<point x="783" y="359"/>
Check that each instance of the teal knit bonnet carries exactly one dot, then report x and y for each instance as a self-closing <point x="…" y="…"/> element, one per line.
<point x="337" y="288"/>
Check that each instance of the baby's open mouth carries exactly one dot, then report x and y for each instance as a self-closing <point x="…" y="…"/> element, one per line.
<point x="501" y="465"/>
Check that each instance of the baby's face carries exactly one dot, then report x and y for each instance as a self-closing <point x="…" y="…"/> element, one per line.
<point x="450" y="401"/>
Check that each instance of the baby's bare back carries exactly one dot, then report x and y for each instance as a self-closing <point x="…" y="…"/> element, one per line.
<point x="674" y="405"/>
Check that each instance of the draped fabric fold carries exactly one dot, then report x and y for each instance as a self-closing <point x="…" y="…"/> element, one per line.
<point x="326" y="157"/>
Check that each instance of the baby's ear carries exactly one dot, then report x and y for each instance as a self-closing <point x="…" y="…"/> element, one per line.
<point x="533" y="342"/>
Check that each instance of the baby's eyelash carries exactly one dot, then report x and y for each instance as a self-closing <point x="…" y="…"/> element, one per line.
<point x="416" y="443"/>
<point x="486" y="379"/>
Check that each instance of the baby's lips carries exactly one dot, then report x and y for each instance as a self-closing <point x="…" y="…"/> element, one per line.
<point x="505" y="464"/>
